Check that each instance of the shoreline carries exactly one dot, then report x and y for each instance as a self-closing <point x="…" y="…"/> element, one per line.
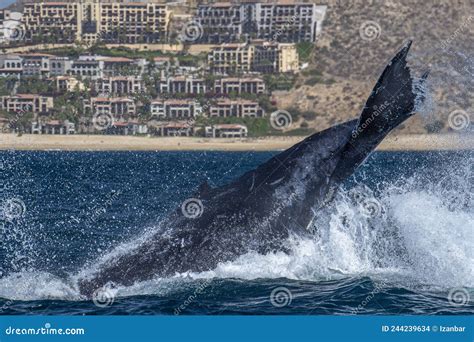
<point x="29" y="142"/>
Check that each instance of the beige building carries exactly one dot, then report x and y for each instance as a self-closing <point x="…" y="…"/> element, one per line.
<point x="238" y="108"/>
<point x="239" y="86"/>
<point x="270" y="57"/>
<point x="68" y="84"/>
<point x="55" y="22"/>
<point x="53" y="127"/>
<point x="11" y="66"/>
<point x="173" y="129"/>
<point x="174" y="109"/>
<point x="279" y="21"/>
<point x="132" y="22"/>
<point x="119" y="108"/>
<point x="92" y="20"/>
<point x="28" y="103"/>
<point x="264" y="57"/>
<point x="181" y="84"/>
<point x="119" y="85"/>
<point x="231" y="58"/>
<point x="226" y="131"/>
<point x="288" y="58"/>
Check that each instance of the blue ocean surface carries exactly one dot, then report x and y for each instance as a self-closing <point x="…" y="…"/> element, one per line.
<point x="64" y="211"/>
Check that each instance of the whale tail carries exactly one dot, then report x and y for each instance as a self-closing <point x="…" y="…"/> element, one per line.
<point x="393" y="100"/>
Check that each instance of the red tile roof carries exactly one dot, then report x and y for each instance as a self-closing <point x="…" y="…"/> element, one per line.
<point x="26" y="96"/>
<point x="230" y="126"/>
<point x="54" y="123"/>
<point x="162" y="59"/>
<point x="118" y="60"/>
<point x="176" y="125"/>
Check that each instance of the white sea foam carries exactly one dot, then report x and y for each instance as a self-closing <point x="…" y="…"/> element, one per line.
<point x="416" y="239"/>
<point x="436" y="245"/>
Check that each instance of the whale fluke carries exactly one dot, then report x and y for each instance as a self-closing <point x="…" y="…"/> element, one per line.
<point x="259" y="210"/>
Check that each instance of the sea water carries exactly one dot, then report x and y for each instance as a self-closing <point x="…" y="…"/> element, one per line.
<point x="397" y="239"/>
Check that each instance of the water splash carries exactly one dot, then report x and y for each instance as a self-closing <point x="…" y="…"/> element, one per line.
<point x="415" y="231"/>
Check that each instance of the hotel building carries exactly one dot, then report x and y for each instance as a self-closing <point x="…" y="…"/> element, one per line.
<point x="174" y="109"/>
<point x="119" y="108"/>
<point x="92" y="20"/>
<point x="231" y="59"/>
<point x="238" y="108"/>
<point x="226" y="131"/>
<point x="119" y="85"/>
<point x="264" y="57"/>
<point x="55" y="22"/>
<point x="239" y="86"/>
<point x="181" y="84"/>
<point x="281" y="21"/>
<point x="11" y="66"/>
<point x="26" y="103"/>
<point x="68" y="84"/>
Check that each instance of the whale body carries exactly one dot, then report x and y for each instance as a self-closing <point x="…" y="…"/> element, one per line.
<point x="261" y="209"/>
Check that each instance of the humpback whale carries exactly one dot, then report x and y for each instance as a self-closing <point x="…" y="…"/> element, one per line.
<point x="261" y="209"/>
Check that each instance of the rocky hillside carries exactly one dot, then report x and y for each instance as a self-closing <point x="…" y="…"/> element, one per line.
<point x="358" y="39"/>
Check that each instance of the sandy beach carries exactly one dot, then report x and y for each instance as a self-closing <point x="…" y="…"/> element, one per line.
<point x="131" y="143"/>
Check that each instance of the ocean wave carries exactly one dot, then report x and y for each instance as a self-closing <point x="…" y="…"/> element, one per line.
<point x="412" y="233"/>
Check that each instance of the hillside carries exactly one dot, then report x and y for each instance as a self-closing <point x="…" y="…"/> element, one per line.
<point x="358" y="39"/>
<point x="442" y="33"/>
